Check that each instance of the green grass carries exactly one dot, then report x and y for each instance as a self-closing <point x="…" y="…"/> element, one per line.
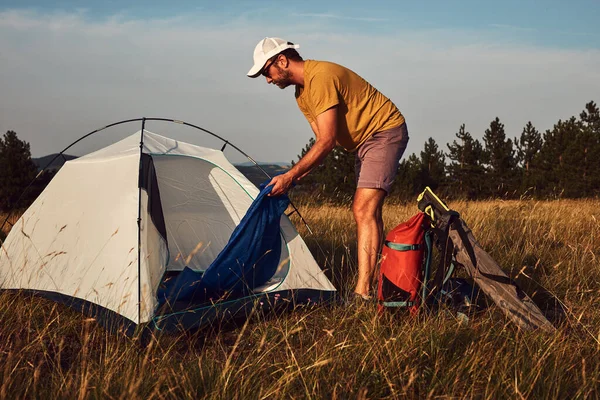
<point x="551" y="248"/>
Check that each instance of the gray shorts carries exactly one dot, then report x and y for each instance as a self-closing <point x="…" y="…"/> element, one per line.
<point x="378" y="157"/>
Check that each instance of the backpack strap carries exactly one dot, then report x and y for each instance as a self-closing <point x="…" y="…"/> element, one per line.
<point x="427" y="266"/>
<point x="446" y="250"/>
<point x="398" y="303"/>
<point x="402" y="246"/>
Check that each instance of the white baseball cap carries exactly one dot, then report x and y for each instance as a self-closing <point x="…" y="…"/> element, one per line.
<point x="265" y="49"/>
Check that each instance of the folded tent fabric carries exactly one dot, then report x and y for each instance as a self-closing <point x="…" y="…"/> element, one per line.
<point x="249" y="259"/>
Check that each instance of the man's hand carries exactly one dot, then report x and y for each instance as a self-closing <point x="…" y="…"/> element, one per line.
<point x="281" y="184"/>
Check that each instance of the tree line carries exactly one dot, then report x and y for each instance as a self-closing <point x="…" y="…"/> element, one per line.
<point x="17" y="171"/>
<point x="561" y="162"/>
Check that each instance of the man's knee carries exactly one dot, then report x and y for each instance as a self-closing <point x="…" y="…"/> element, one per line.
<point x="362" y="212"/>
<point x="367" y="206"/>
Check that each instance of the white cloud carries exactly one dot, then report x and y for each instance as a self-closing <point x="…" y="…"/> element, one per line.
<point x="63" y="75"/>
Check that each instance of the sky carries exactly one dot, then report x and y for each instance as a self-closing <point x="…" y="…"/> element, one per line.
<point x="69" y="67"/>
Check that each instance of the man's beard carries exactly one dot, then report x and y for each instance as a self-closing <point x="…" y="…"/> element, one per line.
<point x="285" y="80"/>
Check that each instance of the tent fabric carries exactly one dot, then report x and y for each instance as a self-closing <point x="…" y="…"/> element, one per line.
<point x="237" y="309"/>
<point x="154" y="254"/>
<point x="249" y="259"/>
<point x="202" y="204"/>
<point x="149" y="183"/>
<point x="82" y="239"/>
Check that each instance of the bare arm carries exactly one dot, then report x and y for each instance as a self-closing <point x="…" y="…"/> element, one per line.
<point x="325" y="129"/>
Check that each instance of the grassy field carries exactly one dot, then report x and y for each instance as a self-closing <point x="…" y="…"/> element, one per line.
<point x="6" y="228"/>
<point x="551" y="248"/>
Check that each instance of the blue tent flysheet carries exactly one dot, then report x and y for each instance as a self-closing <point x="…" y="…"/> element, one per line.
<point x="249" y="259"/>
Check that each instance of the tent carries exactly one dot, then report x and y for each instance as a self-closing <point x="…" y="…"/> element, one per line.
<point x="114" y="225"/>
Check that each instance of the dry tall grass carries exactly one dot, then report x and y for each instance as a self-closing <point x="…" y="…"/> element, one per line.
<point x="551" y="248"/>
<point x="9" y="222"/>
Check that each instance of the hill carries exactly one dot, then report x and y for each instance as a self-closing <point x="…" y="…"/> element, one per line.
<point x="256" y="176"/>
<point x="251" y="164"/>
<point x="41" y="162"/>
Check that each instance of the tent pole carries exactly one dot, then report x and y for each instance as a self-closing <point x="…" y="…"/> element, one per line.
<point x="226" y="143"/>
<point x="139" y="223"/>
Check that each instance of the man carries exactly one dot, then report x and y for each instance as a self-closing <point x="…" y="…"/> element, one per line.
<point x="342" y="108"/>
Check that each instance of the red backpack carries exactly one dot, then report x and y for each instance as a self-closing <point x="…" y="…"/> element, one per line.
<point x="401" y="273"/>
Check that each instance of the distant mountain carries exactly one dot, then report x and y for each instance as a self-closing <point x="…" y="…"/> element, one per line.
<point x="250" y="164"/>
<point x="256" y="176"/>
<point x="42" y="161"/>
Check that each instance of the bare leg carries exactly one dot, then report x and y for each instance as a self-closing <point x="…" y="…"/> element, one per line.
<point x="367" y="207"/>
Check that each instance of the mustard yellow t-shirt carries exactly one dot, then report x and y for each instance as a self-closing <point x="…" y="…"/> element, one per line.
<point x="362" y="109"/>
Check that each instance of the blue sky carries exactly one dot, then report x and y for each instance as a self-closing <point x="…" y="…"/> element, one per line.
<point x="69" y="66"/>
<point x="547" y="22"/>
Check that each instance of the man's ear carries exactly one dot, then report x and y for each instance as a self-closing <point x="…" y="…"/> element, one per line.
<point x="284" y="60"/>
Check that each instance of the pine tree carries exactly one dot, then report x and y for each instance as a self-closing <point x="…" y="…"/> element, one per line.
<point x="590" y="126"/>
<point x="569" y="161"/>
<point x="465" y="171"/>
<point x="16" y="171"/>
<point x="407" y="183"/>
<point x="552" y="172"/>
<point x="575" y="172"/>
<point x="308" y="180"/>
<point x="334" y="178"/>
<point x="528" y="146"/>
<point x="338" y="177"/>
<point x="498" y="155"/>
<point x="590" y="117"/>
<point x="579" y="175"/>
<point x="433" y="166"/>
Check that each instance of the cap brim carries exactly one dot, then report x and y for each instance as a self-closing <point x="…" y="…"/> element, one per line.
<point x="256" y="70"/>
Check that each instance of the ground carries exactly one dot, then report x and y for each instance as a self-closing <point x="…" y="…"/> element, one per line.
<point x="550" y="248"/>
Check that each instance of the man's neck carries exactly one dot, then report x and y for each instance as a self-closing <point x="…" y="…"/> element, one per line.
<point x="297" y="69"/>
